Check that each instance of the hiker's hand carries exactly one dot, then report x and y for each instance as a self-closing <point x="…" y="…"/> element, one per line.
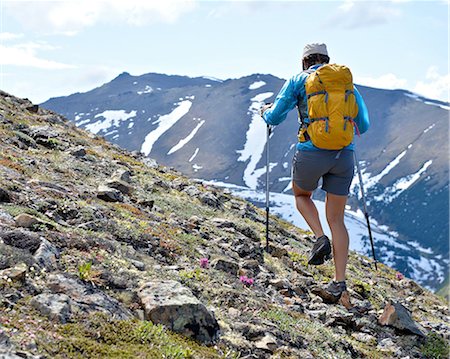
<point x="265" y="108"/>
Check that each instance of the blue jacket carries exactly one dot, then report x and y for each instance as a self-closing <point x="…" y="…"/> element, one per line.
<point x="287" y="99"/>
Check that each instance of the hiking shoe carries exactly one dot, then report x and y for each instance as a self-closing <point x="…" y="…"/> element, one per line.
<point x="332" y="292"/>
<point x="321" y="251"/>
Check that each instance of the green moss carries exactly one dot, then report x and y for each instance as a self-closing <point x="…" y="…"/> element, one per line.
<point x="195" y="274"/>
<point x="361" y="287"/>
<point x="101" y="337"/>
<point x="15" y="210"/>
<point x="298" y="258"/>
<point x="435" y="347"/>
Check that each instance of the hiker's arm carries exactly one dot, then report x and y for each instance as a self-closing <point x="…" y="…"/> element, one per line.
<point x="285" y="102"/>
<point x="362" y="120"/>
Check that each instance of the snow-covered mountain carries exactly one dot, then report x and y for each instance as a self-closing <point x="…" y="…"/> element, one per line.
<point x="210" y="129"/>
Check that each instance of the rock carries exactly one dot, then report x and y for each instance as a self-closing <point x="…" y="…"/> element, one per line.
<point x="54" y="306"/>
<point x="46" y="255"/>
<point x="21" y="239"/>
<point x="210" y="200"/>
<point x="16" y="274"/>
<point x="109" y="194"/>
<point x="397" y="316"/>
<point x="336" y="316"/>
<point x="192" y="191"/>
<point x="79" y="152"/>
<point x="138" y="264"/>
<point x="33" y="108"/>
<point x="388" y="345"/>
<point x="251" y="267"/>
<point x="26" y="220"/>
<point x="222" y="223"/>
<point x="123" y="175"/>
<point x="167" y="302"/>
<point x="45" y="136"/>
<point x="364" y="338"/>
<point x="120" y="185"/>
<point x="225" y="265"/>
<point x="150" y="162"/>
<point x="85" y="298"/>
<point x="277" y="251"/>
<point x="4" y="196"/>
<point x="267" y="343"/>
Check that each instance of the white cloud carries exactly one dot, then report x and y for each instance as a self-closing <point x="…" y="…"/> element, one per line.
<point x="357" y="14"/>
<point x="436" y="86"/>
<point x="71" y="16"/>
<point x="386" y="81"/>
<point x="7" y="36"/>
<point x="25" y="55"/>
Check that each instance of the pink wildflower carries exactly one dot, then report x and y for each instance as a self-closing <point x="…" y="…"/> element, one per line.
<point x="246" y="281"/>
<point x="204" y="262"/>
<point x="399" y="276"/>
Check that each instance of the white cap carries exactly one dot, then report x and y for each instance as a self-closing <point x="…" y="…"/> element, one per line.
<point x="314" y="49"/>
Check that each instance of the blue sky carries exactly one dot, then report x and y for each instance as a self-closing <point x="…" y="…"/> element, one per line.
<point x="54" y="48"/>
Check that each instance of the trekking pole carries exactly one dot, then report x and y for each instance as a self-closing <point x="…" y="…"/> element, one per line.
<point x="268" y="132"/>
<point x="366" y="213"/>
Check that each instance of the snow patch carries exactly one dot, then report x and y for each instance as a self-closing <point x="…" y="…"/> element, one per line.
<point x="402" y="185"/>
<point x="111" y="118"/>
<point x="185" y="140"/>
<point x="429" y="128"/>
<point x="194" y="155"/>
<point x="148" y="89"/>
<point x="256" y="85"/>
<point x="254" y="146"/>
<point x="165" y="122"/>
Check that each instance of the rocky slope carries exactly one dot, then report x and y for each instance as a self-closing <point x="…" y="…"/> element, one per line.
<point x="106" y="254"/>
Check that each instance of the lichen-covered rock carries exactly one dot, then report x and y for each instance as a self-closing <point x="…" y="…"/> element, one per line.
<point x="54" y="306"/>
<point x="85" y="298"/>
<point x="21" y="239"/>
<point x="46" y="255"/>
<point x="173" y="305"/>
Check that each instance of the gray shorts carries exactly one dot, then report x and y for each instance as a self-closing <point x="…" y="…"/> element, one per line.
<point x="335" y="167"/>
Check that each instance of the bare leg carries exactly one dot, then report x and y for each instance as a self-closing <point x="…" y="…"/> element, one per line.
<point x="307" y="209"/>
<point x="335" y="207"/>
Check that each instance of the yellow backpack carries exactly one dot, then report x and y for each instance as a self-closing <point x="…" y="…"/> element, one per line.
<point x="331" y="107"/>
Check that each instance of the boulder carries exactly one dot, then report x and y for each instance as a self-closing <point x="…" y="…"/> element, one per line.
<point x="21" y="239"/>
<point x="120" y="185"/>
<point x="169" y="303"/>
<point x="397" y="316"/>
<point x="109" y="194"/>
<point x="86" y="298"/>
